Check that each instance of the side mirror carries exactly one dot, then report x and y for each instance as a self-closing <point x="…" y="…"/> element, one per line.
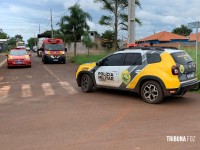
<point x="6" y="55"/>
<point x="98" y="63"/>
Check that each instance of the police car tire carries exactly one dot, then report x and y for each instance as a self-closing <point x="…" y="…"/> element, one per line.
<point x="151" y="92"/>
<point x="86" y="83"/>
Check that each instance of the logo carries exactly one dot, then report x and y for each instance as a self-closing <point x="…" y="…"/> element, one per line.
<point x="103" y="76"/>
<point x="126" y="77"/>
<point x="181" y="138"/>
<point x="181" y="68"/>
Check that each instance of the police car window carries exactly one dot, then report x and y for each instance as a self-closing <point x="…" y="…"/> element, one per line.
<point x="181" y="58"/>
<point x="153" y="58"/>
<point x="133" y="59"/>
<point x="113" y="60"/>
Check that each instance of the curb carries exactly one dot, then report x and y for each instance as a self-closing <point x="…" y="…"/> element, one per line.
<point x="2" y="63"/>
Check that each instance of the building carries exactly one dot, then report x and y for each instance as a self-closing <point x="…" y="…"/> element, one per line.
<point x="3" y="45"/>
<point x="192" y="37"/>
<point x="163" y="37"/>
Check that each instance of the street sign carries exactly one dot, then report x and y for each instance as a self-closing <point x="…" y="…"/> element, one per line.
<point x="194" y="25"/>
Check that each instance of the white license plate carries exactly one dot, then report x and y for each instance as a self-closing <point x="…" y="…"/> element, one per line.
<point x="55" y="60"/>
<point x="18" y="62"/>
<point x="191" y="75"/>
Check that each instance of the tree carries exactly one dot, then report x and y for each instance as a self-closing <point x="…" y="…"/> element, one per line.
<point x="107" y="39"/>
<point x="32" y="42"/>
<point x="183" y="30"/>
<point x="87" y="41"/>
<point x="118" y="15"/>
<point x="48" y="33"/>
<point x="3" y="35"/>
<point x="75" y="24"/>
<point x="19" y="37"/>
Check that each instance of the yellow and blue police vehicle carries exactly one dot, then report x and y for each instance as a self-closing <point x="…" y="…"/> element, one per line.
<point x="153" y="72"/>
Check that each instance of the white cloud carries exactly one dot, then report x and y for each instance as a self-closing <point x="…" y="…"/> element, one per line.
<point x="24" y="16"/>
<point x="85" y="4"/>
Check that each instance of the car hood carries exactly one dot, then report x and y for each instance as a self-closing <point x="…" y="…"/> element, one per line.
<point x="87" y="66"/>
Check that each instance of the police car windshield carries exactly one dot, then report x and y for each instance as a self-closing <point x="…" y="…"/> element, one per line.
<point x="181" y="58"/>
<point x="54" y="47"/>
<point x="18" y="52"/>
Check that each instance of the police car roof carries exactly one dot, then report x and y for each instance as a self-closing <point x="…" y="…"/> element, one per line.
<point x="140" y="49"/>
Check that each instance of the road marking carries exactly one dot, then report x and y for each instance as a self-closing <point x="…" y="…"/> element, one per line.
<point x="68" y="87"/>
<point x="1" y="64"/>
<point x="65" y="84"/>
<point x="47" y="88"/>
<point x="52" y="73"/>
<point x="4" y="91"/>
<point x="26" y="90"/>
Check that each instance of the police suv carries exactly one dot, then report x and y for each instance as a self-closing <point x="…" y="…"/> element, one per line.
<point x="153" y="72"/>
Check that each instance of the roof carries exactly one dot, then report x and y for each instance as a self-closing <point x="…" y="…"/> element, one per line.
<point x="164" y="36"/>
<point x="192" y="37"/>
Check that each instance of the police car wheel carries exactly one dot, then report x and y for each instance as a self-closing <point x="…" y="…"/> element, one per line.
<point x="151" y="92"/>
<point x="86" y="83"/>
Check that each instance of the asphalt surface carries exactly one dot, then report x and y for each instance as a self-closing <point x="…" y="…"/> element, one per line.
<point x="2" y="59"/>
<point x="41" y="108"/>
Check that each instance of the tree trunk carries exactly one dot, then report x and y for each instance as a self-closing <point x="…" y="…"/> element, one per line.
<point x="116" y="25"/>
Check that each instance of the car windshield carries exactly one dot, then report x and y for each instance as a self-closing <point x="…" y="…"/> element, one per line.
<point x="182" y="58"/>
<point x="54" y="47"/>
<point x="18" y="52"/>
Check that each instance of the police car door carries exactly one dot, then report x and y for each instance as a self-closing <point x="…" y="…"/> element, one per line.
<point x="108" y="72"/>
<point x="131" y="67"/>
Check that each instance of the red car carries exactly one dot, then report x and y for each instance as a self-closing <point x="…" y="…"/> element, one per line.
<point x="18" y="57"/>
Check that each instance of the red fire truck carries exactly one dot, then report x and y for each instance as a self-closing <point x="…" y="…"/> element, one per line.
<point x="53" y="50"/>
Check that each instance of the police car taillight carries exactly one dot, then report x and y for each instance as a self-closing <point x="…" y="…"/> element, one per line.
<point x="175" y="70"/>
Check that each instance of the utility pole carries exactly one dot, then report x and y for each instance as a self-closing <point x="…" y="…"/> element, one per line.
<point x="39" y="28"/>
<point x="195" y="25"/>
<point x="131" y="21"/>
<point x="51" y="23"/>
<point x="34" y="39"/>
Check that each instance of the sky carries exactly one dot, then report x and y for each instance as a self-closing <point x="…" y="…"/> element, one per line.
<point x="25" y="16"/>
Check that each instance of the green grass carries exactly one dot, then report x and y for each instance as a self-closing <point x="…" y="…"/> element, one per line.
<point x="80" y="59"/>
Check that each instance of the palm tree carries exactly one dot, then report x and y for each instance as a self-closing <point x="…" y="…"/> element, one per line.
<point x="118" y="15"/>
<point x="87" y="41"/>
<point x="74" y="25"/>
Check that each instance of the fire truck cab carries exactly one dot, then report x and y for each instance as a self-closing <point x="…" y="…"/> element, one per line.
<point x="53" y="51"/>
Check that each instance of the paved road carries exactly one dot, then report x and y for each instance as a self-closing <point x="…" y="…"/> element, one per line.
<point x="41" y="108"/>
